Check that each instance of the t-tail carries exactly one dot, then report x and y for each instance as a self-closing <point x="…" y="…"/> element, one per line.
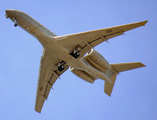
<point x="103" y="70"/>
<point x="115" y="69"/>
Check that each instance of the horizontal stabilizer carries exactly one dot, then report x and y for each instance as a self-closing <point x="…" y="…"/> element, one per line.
<point x="120" y="67"/>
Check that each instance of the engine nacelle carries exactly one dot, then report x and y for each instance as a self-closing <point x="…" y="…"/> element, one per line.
<point x="95" y="57"/>
<point x="85" y="76"/>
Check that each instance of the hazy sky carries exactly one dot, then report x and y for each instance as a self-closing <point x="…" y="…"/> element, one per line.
<point x="134" y="96"/>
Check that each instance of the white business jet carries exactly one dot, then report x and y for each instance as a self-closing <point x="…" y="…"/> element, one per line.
<point x="73" y="51"/>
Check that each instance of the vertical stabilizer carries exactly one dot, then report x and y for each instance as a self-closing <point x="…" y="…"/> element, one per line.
<point x="109" y="86"/>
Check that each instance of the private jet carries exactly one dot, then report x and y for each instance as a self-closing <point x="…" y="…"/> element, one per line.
<point x="74" y="51"/>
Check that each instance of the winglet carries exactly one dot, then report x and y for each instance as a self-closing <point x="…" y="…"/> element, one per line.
<point x="144" y="22"/>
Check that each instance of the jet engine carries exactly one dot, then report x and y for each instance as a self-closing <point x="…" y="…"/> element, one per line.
<point x="84" y="75"/>
<point x="98" y="67"/>
<point x="97" y="60"/>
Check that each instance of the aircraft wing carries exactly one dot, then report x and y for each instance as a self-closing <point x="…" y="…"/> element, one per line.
<point x="48" y="74"/>
<point x="87" y="40"/>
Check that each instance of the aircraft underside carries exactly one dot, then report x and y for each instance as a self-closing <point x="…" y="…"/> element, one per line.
<point x="74" y="51"/>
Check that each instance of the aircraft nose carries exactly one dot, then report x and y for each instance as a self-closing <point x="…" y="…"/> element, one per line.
<point x="9" y="12"/>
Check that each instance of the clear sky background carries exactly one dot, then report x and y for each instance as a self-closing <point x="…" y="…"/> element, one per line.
<point x="134" y="96"/>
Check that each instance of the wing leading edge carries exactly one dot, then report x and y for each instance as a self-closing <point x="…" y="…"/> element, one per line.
<point x="48" y="74"/>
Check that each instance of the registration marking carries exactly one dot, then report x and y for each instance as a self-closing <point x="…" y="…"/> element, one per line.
<point x="108" y="31"/>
